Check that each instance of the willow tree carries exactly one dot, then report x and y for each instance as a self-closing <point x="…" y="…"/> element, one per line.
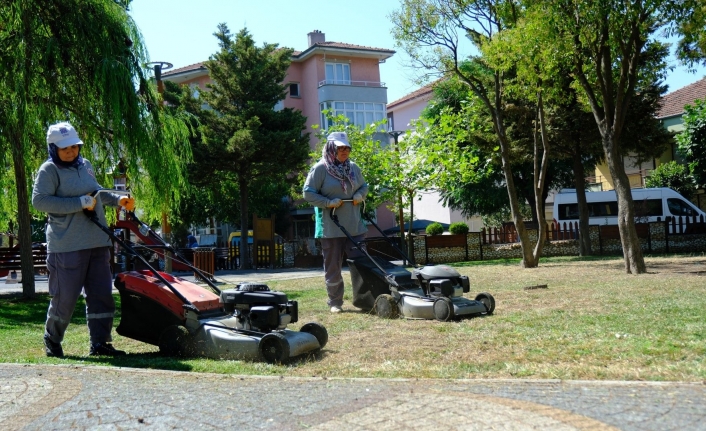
<point x="82" y="61"/>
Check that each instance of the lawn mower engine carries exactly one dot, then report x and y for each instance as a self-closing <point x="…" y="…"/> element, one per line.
<point x="259" y="309"/>
<point x="441" y="280"/>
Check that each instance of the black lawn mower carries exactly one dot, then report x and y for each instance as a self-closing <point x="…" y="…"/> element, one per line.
<point x="428" y="292"/>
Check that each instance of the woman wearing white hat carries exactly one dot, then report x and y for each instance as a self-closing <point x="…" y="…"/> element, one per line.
<point x="333" y="179"/>
<point x="78" y="251"/>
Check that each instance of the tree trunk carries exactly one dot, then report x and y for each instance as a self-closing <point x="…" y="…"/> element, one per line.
<point x="541" y="164"/>
<point x="401" y="217"/>
<point x="528" y="260"/>
<point x="24" y="228"/>
<point x="580" y="181"/>
<point x="17" y="143"/>
<point x="632" y="252"/>
<point x="244" y="255"/>
<point x="410" y="240"/>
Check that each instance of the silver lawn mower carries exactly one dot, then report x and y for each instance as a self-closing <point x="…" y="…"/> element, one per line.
<point x="428" y="292"/>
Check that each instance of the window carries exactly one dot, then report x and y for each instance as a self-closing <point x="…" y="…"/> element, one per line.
<point x="294" y="89"/>
<point x="279" y="106"/>
<point x="648" y="208"/>
<point x="195" y="91"/>
<point x="595" y="209"/>
<point x="360" y="114"/>
<point x="643" y="208"/>
<point x="680" y="208"/>
<point x="338" y="73"/>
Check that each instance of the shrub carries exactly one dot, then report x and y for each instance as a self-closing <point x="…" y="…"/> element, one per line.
<point x="674" y="176"/>
<point x="435" y="229"/>
<point x="458" y="228"/>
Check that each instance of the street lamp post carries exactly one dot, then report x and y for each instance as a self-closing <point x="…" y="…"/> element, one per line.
<point x="159" y="66"/>
<point x="395" y="135"/>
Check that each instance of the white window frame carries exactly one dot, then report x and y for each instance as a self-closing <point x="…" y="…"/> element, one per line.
<point x="359" y="113"/>
<point x="338" y="73"/>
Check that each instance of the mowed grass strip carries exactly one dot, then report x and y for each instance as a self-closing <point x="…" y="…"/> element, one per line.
<point x="592" y="322"/>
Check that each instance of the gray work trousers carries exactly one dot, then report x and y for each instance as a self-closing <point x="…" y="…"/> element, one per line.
<point x="71" y="272"/>
<point x="333" y="249"/>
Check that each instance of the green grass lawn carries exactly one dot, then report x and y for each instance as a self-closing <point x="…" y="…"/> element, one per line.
<point x="592" y="322"/>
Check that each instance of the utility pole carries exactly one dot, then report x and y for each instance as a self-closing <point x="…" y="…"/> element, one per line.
<point x="395" y="135"/>
<point x="159" y="66"/>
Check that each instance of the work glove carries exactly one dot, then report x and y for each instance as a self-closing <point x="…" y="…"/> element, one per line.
<point x="357" y="199"/>
<point x="88" y="202"/>
<point x="333" y="203"/>
<point x="127" y="202"/>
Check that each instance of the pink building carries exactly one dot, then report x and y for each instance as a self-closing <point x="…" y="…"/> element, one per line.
<point x="340" y="77"/>
<point x="400" y="114"/>
<point x="337" y="76"/>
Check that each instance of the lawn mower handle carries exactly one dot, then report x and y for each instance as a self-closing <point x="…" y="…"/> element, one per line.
<point x="94" y="193"/>
<point x="359" y="244"/>
<point x="370" y="220"/>
<point x="111" y="234"/>
<point x="147" y="231"/>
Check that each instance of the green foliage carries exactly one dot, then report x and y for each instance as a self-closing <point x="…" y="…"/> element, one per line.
<point x="86" y="67"/>
<point x="692" y="141"/>
<point x="503" y="215"/>
<point x="245" y="139"/>
<point x="672" y="175"/>
<point x="435" y="229"/>
<point x="689" y="17"/>
<point x="458" y="228"/>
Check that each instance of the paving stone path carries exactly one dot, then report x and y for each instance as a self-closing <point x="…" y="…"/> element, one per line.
<point x="43" y="397"/>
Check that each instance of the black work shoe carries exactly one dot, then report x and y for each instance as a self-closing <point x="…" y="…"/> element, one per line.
<point x="104" y="349"/>
<point x="53" y="349"/>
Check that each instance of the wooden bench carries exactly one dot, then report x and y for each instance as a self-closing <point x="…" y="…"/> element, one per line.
<point x="10" y="259"/>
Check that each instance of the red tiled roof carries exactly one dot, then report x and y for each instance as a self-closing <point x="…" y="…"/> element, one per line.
<point x="195" y="66"/>
<point x="674" y="102"/>
<point x="343" y="46"/>
<point x="427" y="89"/>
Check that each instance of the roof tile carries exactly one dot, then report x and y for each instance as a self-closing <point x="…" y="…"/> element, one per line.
<point x="188" y="68"/>
<point x="421" y="92"/>
<point x="673" y="103"/>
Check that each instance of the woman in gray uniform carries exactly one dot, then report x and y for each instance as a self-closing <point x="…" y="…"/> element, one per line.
<point x="78" y="251"/>
<point x="333" y="179"/>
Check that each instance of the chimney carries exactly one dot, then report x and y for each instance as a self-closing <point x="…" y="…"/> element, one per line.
<point x="316" y="37"/>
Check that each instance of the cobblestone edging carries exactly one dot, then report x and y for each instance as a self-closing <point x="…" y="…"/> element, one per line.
<point x="656" y="242"/>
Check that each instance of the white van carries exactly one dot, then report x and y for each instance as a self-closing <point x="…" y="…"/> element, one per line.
<point x="603" y="206"/>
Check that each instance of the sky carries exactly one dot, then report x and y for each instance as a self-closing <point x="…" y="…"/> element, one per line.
<point x="181" y="31"/>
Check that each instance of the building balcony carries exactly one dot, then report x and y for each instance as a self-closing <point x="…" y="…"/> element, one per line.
<point x="351" y="83"/>
<point x="352" y="91"/>
<point x="637" y="181"/>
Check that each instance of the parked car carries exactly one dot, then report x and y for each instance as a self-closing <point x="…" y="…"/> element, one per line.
<point x="603" y="206"/>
